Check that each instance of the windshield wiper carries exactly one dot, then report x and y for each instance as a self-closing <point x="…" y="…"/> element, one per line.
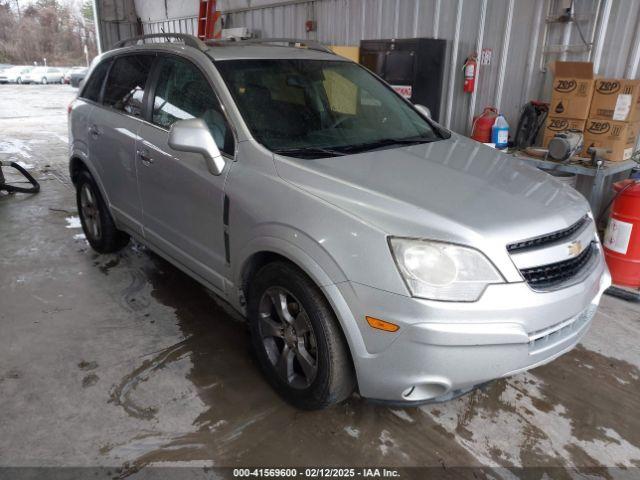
<point x="310" y="150"/>
<point x="385" y="142"/>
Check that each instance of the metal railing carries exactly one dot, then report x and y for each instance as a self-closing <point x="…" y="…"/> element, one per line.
<point x="187" y="39"/>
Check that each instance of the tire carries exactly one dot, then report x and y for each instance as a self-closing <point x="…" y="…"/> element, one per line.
<point x="97" y="222"/>
<point x="44" y="80"/>
<point x="317" y="371"/>
<point x="19" y="80"/>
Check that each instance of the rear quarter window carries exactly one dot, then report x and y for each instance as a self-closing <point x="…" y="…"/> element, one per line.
<point x="91" y="90"/>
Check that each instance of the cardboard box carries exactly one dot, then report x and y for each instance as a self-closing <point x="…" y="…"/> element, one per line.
<point x="352" y="53"/>
<point x="573" y="85"/>
<point x="616" y="99"/>
<point x="555" y="125"/>
<point x="620" y="137"/>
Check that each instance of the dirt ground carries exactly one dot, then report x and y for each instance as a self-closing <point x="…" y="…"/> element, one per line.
<point x="123" y="361"/>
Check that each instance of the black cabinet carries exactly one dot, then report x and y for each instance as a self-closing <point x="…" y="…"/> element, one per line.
<point x="413" y="66"/>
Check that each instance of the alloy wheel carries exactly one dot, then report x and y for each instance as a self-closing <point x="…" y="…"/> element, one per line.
<point x="90" y="211"/>
<point x="288" y="337"/>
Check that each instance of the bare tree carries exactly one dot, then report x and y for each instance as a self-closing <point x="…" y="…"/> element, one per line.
<point x="46" y="29"/>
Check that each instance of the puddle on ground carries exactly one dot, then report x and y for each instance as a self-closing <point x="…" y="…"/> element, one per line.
<point x="244" y="421"/>
<point x="563" y="413"/>
<point x="557" y="415"/>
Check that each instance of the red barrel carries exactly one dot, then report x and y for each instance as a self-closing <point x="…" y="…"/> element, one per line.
<point x="481" y="129"/>
<point x="622" y="238"/>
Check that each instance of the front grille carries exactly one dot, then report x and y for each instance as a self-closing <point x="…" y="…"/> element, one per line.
<point x="546" y="239"/>
<point x="548" y="276"/>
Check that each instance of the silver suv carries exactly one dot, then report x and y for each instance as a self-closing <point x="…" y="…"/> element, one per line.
<point x="368" y="247"/>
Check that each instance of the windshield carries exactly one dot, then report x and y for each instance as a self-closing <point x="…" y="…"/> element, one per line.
<point x="317" y="108"/>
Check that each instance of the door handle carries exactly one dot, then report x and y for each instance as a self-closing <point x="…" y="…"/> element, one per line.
<point x="94" y="131"/>
<point x="144" y="156"/>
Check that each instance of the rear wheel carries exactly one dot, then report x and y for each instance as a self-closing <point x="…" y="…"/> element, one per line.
<point x="96" y="220"/>
<point x="297" y="339"/>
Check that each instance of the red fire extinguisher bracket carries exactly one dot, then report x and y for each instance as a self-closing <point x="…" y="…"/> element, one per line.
<point x="470" y="69"/>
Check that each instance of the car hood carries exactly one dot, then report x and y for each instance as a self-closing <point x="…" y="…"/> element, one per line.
<point x="452" y="190"/>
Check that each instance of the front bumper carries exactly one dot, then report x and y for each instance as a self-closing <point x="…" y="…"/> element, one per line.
<point x="442" y="348"/>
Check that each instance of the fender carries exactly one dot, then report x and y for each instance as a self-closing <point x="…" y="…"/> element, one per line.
<point x="295" y="245"/>
<point x="317" y="264"/>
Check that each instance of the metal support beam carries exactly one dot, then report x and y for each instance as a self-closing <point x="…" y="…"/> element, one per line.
<point x="566" y="34"/>
<point x="479" y="42"/>
<point x="436" y="19"/>
<point x="453" y="68"/>
<point x="634" y="56"/>
<point x="533" y="47"/>
<point x="97" y="26"/>
<point x="602" y="33"/>
<point x="506" y="38"/>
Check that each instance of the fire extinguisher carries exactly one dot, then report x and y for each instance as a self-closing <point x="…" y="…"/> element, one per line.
<point x="470" y="70"/>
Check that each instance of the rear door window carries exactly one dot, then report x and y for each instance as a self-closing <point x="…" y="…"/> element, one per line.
<point x="93" y="86"/>
<point x="126" y="83"/>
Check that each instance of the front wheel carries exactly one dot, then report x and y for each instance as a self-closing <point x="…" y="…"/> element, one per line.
<point x="44" y="80"/>
<point x="297" y="339"/>
<point x="19" y="81"/>
<point x="97" y="223"/>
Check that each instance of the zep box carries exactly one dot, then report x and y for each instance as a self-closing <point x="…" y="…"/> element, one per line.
<point x="619" y="137"/>
<point x="555" y="125"/>
<point x="573" y="85"/>
<point x="616" y="99"/>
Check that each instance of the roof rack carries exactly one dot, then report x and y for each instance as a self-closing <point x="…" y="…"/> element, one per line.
<point x="291" y="42"/>
<point x="187" y="39"/>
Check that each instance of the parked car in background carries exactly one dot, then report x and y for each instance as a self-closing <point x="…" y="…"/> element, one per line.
<point x="67" y="75"/>
<point x="43" y="75"/>
<point x="77" y="76"/>
<point x="14" y="74"/>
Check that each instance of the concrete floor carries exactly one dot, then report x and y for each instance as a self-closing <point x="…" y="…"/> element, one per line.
<point x="121" y="360"/>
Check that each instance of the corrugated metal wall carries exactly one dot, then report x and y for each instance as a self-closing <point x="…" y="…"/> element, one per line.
<point x="515" y="31"/>
<point x="116" y="21"/>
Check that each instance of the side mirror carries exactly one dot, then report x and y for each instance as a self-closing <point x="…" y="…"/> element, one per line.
<point x="194" y="136"/>
<point x="423" y="110"/>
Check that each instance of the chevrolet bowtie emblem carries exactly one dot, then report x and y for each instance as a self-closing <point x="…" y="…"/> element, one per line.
<point x="575" y="248"/>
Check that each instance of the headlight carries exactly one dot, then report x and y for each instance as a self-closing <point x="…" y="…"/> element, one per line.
<point x="443" y="271"/>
